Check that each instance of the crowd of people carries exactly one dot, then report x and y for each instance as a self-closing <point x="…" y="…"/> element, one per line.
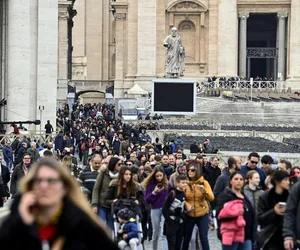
<point x="142" y="190"/>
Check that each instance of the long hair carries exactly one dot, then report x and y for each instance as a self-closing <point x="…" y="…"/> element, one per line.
<point x="151" y="177"/>
<point x="130" y="186"/>
<point x="72" y="189"/>
<point x="112" y="163"/>
<point x="67" y="161"/>
<point x="198" y="167"/>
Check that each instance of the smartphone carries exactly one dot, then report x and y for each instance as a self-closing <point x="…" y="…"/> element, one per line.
<point x="159" y="186"/>
<point x="283" y="204"/>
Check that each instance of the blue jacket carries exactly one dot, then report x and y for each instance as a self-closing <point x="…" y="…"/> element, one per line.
<point x="221" y="183"/>
<point x="262" y="174"/>
<point x="7" y="153"/>
<point x="130" y="228"/>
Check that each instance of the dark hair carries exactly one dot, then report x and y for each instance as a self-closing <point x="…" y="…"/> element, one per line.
<point x="266" y="159"/>
<point x="278" y="176"/>
<point x="151" y="177"/>
<point x="157" y="158"/>
<point x="141" y="154"/>
<point x="47" y="154"/>
<point x="112" y="163"/>
<point x="130" y="186"/>
<point x="26" y="154"/>
<point x="198" y="167"/>
<point x="94" y="156"/>
<point x="253" y="154"/>
<point x="180" y="177"/>
<point x="135" y="169"/>
<point x="200" y="157"/>
<point x="233" y="175"/>
<point x="288" y="164"/>
<point x="231" y="162"/>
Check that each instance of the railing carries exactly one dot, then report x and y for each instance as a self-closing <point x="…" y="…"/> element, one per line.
<point x="95" y="84"/>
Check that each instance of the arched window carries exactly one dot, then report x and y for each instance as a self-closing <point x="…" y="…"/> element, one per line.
<point x="187" y="31"/>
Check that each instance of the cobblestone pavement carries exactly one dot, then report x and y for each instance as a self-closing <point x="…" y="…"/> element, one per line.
<point x="214" y="242"/>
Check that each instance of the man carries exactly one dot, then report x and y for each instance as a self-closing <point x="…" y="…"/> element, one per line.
<point x="4" y="179"/>
<point x="234" y="164"/>
<point x="180" y="154"/>
<point x="209" y="148"/>
<point x="266" y="164"/>
<point x="181" y="169"/>
<point x="48" y="128"/>
<point x="167" y="166"/>
<point x="34" y="153"/>
<point x="8" y="155"/>
<point x="287" y="166"/>
<point x="59" y="142"/>
<point x="253" y="160"/>
<point x="22" y="150"/>
<point x="21" y="170"/>
<point x="213" y="171"/>
<point x="123" y="146"/>
<point x="172" y="160"/>
<point x="88" y="176"/>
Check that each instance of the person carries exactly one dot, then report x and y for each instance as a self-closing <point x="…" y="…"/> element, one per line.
<point x="194" y="149"/>
<point x="67" y="163"/>
<point x="20" y="153"/>
<point x="156" y="191"/>
<point x="52" y="213"/>
<point x="266" y="164"/>
<point x="198" y="192"/>
<point x="4" y="180"/>
<point x="234" y="192"/>
<point x="253" y="160"/>
<point x="270" y="210"/>
<point x="48" y="128"/>
<point x="287" y="166"/>
<point x="19" y="172"/>
<point x="252" y="188"/>
<point x="8" y="155"/>
<point x="34" y="153"/>
<point x="180" y="170"/>
<point x="291" y="226"/>
<point x="104" y="178"/>
<point x="59" y="142"/>
<point x="213" y="171"/>
<point x="128" y="231"/>
<point x="173" y="212"/>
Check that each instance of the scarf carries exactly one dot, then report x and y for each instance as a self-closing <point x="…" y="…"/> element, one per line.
<point x="112" y="175"/>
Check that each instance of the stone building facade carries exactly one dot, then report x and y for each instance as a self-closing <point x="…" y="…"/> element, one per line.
<point x="122" y="40"/>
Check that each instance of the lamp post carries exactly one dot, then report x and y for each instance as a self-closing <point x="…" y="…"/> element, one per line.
<point x="41" y="108"/>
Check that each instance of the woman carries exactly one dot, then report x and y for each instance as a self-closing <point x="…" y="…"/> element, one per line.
<point x="105" y="176"/>
<point x="198" y="192"/>
<point x="123" y="188"/>
<point x="142" y="157"/>
<point x="52" y="213"/>
<point x="67" y="163"/>
<point x="156" y="185"/>
<point x="270" y="210"/>
<point x="234" y="193"/>
<point x="252" y="189"/>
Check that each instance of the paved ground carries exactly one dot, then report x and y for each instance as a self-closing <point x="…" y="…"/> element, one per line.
<point x="213" y="242"/>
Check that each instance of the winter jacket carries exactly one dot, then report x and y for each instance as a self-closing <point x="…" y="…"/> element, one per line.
<point x="262" y="174"/>
<point x="74" y="226"/>
<point x="254" y="195"/>
<point x="291" y="225"/>
<point x="59" y="142"/>
<point x="34" y="153"/>
<point x="173" y="178"/>
<point x="155" y="200"/>
<point x="87" y="179"/>
<point x="197" y="199"/>
<point x="232" y="230"/>
<point x="213" y="174"/>
<point x="7" y="153"/>
<point x="271" y="224"/>
<point x="194" y="149"/>
<point x="221" y="183"/>
<point x="130" y="228"/>
<point x="100" y="188"/>
<point x="4" y="179"/>
<point x="16" y="176"/>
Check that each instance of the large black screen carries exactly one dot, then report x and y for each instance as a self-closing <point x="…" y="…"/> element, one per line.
<point x="173" y="97"/>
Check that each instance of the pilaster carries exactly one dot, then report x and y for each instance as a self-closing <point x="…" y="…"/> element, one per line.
<point x="281" y="44"/>
<point x="243" y="44"/>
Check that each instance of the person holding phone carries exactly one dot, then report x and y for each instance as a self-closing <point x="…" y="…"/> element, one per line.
<point x="52" y="213"/>
<point x="270" y="210"/>
<point x="157" y="190"/>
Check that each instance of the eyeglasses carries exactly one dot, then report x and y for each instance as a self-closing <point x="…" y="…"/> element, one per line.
<point x="192" y="170"/>
<point x="50" y="181"/>
<point x="254" y="162"/>
<point x="27" y="158"/>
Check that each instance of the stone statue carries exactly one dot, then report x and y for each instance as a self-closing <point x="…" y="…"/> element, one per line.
<point x="174" y="65"/>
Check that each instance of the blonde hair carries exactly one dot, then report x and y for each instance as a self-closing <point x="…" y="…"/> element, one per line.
<point x="67" y="161"/>
<point x="72" y="189"/>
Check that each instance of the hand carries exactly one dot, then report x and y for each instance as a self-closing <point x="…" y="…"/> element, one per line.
<point x="95" y="210"/>
<point x="28" y="201"/>
<point x="190" y="209"/>
<point x="279" y="209"/>
<point x="288" y="244"/>
<point x="157" y="189"/>
<point x="125" y="236"/>
<point x="201" y="188"/>
<point x="137" y="202"/>
<point x="120" y="231"/>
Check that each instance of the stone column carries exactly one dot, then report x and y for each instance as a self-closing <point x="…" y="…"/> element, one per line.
<point x="120" y="48"/>
<point x="281" y="43"/>
<point x="295" y="43"/>
<point x="227" y="38"/>
<point x="243" y="45"/>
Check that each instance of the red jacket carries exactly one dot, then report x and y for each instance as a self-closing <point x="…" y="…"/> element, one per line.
<point x="232" y="230"/>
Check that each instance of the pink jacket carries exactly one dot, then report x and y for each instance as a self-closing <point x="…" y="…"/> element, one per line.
<point x="233" y="230"/>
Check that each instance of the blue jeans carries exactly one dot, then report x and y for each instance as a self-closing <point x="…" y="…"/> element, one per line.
<point x="9" y="164"/>
<point x="105" y="214"/>
<point x="247" y="245"/>
<point x="158" y="221"/>
<point x="202" y="224"/>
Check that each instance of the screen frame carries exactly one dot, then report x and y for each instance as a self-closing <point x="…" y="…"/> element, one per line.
<point x="174" y="81"/>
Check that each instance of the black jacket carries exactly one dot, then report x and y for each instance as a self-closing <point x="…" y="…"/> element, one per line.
<point x="194" y="149"/>
<point x="74" y="226"/>
<point x="4" y="179"/>
<point x="270" y="223"/>
<point x="16" y="176"/>
<point x="291" y="225"/>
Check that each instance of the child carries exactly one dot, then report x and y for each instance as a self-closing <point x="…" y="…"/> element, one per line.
<point x="128" y="230"/>
<point x="173" y="211"/>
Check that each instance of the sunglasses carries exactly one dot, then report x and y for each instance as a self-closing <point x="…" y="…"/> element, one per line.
<point x="192" y="170"/>
<point x="50" y="181"/>
<point x="254" y="162"/>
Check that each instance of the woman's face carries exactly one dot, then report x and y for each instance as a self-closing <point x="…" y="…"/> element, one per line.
<point x="118" y="166"/>
<point x="255" y="180"/>
<point x="127" y="176"/>
<point x="285" y="183"/>
<point x="192" y="172"/>
<point x="142" y="169"/>
<point x="143" y="158"/>
<point x="159" y="176"/>
<point x="48" y="187"/>
<point x="237" y="182"/>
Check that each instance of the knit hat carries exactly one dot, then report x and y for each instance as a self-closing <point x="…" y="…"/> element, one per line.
<point x="279" y="175"/>
<point x="125" y="214"/>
